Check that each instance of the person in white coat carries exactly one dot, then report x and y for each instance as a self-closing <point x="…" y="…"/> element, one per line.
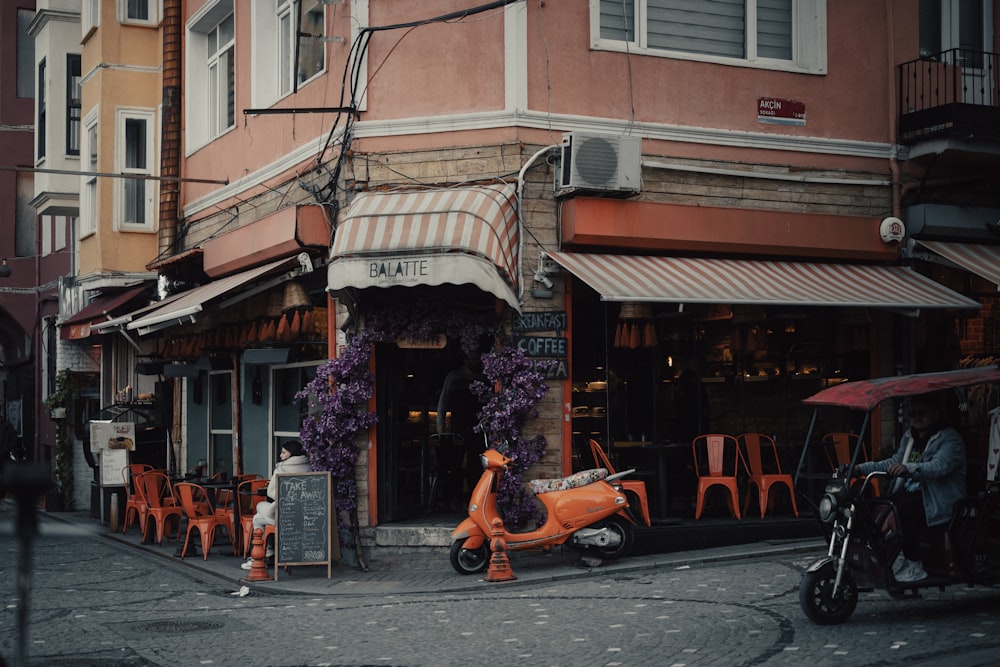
<point x="292" y="459"/>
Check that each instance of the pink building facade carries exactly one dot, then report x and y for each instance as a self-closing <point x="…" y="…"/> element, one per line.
<point x="666" y="190"/>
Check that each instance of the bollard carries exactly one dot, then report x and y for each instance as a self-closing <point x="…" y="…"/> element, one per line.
<point x="499" y="563"/>
<point x="113" y="513"/>
<point x="258" y="572"/>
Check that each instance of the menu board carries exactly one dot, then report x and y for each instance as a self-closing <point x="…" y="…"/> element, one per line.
<point x="305" y="531"/>
<point x="112" y="461"/>
<point x="111" y="435"/>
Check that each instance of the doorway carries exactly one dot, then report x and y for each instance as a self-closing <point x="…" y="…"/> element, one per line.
<point x="962" y="31"/>
<point x="417" y="473"/>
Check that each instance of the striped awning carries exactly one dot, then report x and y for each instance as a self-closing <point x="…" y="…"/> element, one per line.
<point x="742" y="281"/>
<point x="101" y="309"/>
<point x="983" y="260"/>
<point x="466" y="235"/>
<point x="186" y="307"/>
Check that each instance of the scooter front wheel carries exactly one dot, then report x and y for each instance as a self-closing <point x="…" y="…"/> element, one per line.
<point x="469" y="561"/>
<point x="818" y="601"/>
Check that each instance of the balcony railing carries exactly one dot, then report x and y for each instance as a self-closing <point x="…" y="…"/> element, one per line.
<point x="953" y="93"/>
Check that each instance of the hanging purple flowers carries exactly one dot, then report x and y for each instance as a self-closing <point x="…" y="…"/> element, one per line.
<point x="338" y="398"/>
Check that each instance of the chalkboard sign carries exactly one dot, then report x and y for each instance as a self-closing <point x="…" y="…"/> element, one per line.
<point x="306" y="525"/>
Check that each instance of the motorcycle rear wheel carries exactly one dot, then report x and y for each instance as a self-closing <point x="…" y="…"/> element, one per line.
<point x="469" y="561"/>
<point x="816" y="596"/>
<point x="623" y="528"/>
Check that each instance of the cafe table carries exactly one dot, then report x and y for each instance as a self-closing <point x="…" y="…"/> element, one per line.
<point x="660" y="451"/>
<point x="216" y="487"/>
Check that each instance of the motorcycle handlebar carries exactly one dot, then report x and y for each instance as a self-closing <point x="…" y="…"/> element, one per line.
<point x="619" y="475"/>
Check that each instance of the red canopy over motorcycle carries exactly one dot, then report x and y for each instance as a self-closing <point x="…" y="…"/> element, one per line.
<point x="866" y="394"/>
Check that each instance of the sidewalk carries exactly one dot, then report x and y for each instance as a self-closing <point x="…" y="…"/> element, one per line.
<point x="422" y="574"/>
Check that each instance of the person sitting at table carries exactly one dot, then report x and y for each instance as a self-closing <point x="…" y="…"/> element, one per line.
<point x="292" y="459"/>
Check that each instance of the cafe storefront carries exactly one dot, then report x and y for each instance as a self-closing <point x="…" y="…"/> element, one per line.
<point x="678" y="330"/>
<point x="453" y="251"/>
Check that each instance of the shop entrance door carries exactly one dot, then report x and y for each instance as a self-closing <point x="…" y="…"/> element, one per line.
<point x="408" y="383"/>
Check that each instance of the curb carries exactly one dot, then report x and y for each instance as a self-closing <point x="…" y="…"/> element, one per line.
<point x="446" y="581"/>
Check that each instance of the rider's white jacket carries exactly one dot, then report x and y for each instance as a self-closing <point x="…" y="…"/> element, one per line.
<point x="940" y="472"/>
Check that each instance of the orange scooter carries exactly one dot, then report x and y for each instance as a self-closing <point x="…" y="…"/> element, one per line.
<point x="584" y="509"/>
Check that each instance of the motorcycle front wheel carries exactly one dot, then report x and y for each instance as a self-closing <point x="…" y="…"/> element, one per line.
<point x="623" y="529"/>
<point x="817" y="600"/>
<point x="469" y="561"/>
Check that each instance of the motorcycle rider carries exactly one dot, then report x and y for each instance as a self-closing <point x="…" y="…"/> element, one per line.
<point x="930" y="467"/>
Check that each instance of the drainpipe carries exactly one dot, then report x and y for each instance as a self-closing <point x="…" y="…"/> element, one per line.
<point x="890" y="46"/>
<point x="170" y="137"/>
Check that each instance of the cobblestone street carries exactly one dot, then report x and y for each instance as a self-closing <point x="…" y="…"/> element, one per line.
<point x="96" y="601"/>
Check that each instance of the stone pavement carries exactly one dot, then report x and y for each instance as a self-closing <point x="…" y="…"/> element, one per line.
<point x="426" y="572"/>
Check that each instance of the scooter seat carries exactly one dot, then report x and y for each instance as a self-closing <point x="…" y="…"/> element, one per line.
<point x="582" y="478"/>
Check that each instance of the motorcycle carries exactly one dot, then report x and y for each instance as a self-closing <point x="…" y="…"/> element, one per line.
<point x="863" y="529"/>
<point x="586" y="509"/>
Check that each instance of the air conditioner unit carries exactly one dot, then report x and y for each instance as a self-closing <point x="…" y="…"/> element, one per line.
<point x="606" y="163"/>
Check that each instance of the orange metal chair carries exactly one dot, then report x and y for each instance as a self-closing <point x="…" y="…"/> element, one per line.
<point x="161" y="506"/>
<point x="246" y="501"/>
<point x="716" y="462"/>
<point x="636" y="486"/>
<point x="200" y="515"/>
<point x="752" y="447"/>
<point x="839" y="448"/>
<point x="135" y="504"/>
<point x="225" y="510"/>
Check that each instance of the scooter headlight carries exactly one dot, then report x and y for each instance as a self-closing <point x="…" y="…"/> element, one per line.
<point x="827" y="508"/>
<point x="834" y="495"/>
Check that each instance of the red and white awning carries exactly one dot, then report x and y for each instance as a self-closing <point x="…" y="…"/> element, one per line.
<point x="983" y="260"/>
<point x="741" y="281"/>
<point x="466" y="235"/>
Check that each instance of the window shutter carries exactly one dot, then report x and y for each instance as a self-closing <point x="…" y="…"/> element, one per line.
<point x="774" y="29"/>
<point x="698" y="26"/>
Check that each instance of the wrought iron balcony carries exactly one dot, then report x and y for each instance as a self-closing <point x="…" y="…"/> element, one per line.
<point x="951" y="94"/>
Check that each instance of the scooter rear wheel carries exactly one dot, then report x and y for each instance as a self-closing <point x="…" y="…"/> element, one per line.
<point x="816" y="596"/>
<point x="623" y="528"/>
<point x="469" y="561"/>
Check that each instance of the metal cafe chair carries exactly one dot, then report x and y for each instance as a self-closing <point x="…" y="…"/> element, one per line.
<point x="716" y="464"/>
<point x="160" y="506"/>
<point x="200" y="515"/>
<point x="246" y="501"/>
<point x="753" y="449"/>
<point x="135" y="504"/>
<point x="635" y="487"/>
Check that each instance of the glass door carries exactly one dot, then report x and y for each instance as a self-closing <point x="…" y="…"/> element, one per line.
<point x="411" y="478"/>
<point x="966" y="29"/>
<point x="220" y="420"/>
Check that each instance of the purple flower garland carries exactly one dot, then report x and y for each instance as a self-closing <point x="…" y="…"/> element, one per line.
<point x="337" y="418"/>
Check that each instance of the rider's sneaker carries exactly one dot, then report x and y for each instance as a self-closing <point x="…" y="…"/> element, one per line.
<point x="911" y="572"/>
<point x="899" y="563"/>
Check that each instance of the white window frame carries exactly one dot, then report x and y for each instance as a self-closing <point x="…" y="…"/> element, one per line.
<point x="61" y="232"/>
<point x="202" y="128"/>
<point x="809" y="52"/>
<point x="90" y="17"/>
<point x="272" y="54"/>
<point x="152" y="12"/>
<point x="150" y="191"/>
<point x="90" y="159"/>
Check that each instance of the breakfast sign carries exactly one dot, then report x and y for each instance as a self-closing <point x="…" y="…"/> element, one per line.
<point x="553" y="350"/>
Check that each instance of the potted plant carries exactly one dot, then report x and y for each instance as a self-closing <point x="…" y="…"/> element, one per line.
<point x="60" y="496"/>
